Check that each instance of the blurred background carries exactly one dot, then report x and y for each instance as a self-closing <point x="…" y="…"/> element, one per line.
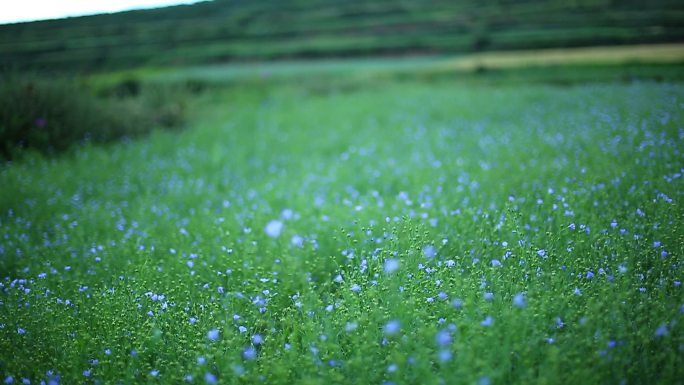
<point x="102" y="77"/>
<point x="223" y="31"/>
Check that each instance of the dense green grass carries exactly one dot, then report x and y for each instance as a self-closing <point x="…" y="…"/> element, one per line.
<point x="536" y="231"/>
<point x="228" y="30"/>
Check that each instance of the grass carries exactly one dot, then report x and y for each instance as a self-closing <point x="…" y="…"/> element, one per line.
<point x="562" y="67"/>
<point x="615" y="55"/>
<point x="400" y="232"/>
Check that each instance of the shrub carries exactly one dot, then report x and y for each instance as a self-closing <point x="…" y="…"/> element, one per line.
<point x="53" y="115"/>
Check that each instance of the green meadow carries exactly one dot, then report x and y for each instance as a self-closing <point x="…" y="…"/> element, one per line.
<point x="379" y="229"/>
<point x="176" y="207"/>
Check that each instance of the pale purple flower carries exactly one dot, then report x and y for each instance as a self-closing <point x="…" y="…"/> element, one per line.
<point x="443" y="338"/>
<point x="445" y="355"/>
<point x="287" y="214"/>
<point x="249" y="353"/>
<point x="209" y="378"/>
<point x="392" y="327"/>
<point x="213" y="334"/>
<point x="488" y="321"/>
<point x="257" y="339"/>
<point x="661" y="331"/>
<point x="519" y="300"/>
<point x="429" y="251"/>
<point x="274" y="228"/>
<point x="297" y="241"/>
<point x="559" y="323"/>
<point x="391" y="265"/>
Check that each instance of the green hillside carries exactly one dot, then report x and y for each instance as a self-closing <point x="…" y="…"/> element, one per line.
<point x="236" y="30"/>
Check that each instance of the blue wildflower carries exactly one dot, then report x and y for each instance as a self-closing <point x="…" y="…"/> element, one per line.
<point x="392" y="327"/>
<point x="213" y="334"/>
<point x="210" y="378"/>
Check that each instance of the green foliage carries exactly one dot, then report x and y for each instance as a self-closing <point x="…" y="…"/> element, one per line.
<point x="536" y="228"/>
<point x="51" y="116"/>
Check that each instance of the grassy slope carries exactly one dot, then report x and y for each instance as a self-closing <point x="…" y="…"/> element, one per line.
<point x="222" y="31"/>
<point x="479" y="166"/>
<point x="663" y="61"/>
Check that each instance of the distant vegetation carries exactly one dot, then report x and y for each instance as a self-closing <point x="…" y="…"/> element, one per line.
<point x="223" y="30"/>
<point x="53" y="116"/>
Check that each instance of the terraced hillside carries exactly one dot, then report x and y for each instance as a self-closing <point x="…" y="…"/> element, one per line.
<point x="235" y="30"/>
